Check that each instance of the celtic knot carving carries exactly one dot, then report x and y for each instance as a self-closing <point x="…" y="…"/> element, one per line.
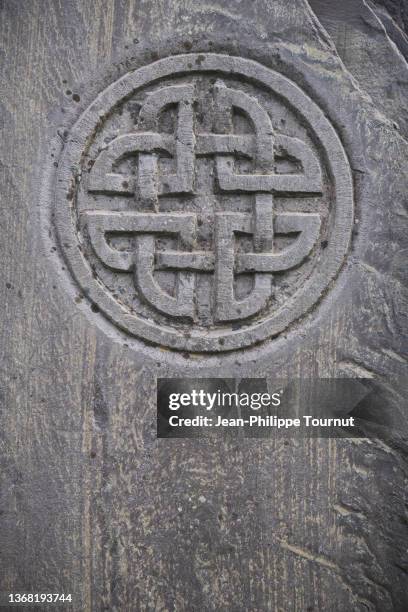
<point x="185" y="145"/>
<point x="211" y="200"/>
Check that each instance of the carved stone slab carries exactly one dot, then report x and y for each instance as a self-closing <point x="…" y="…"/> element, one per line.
<point x="201" y="189"/>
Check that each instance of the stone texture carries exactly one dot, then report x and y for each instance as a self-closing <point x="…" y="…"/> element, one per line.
<point x="90" y="501"/>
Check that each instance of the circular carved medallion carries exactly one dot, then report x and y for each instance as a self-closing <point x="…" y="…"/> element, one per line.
<point x="203" y="203"/>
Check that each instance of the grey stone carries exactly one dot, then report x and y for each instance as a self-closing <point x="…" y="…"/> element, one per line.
<point x="89" y="498"/>
<point x="228" y="184"/>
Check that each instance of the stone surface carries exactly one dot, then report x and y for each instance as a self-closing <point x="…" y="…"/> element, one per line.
<point x="90" y="501"/>
<point x="208" y="200"/>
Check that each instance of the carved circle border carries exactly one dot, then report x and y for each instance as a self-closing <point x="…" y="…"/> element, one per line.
<point x="216" y="340"/>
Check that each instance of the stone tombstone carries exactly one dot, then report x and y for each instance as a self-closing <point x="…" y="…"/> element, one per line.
<point x="195" y="190"/>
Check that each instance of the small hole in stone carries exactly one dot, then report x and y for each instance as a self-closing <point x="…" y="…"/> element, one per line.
<point x="76" y="98"/>
<point x="94" y="308"/>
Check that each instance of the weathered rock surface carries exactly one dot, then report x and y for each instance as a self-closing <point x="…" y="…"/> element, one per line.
<point x="90" y="501"/>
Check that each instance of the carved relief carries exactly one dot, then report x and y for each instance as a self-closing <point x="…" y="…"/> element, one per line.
<point x="214" y="203"/>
